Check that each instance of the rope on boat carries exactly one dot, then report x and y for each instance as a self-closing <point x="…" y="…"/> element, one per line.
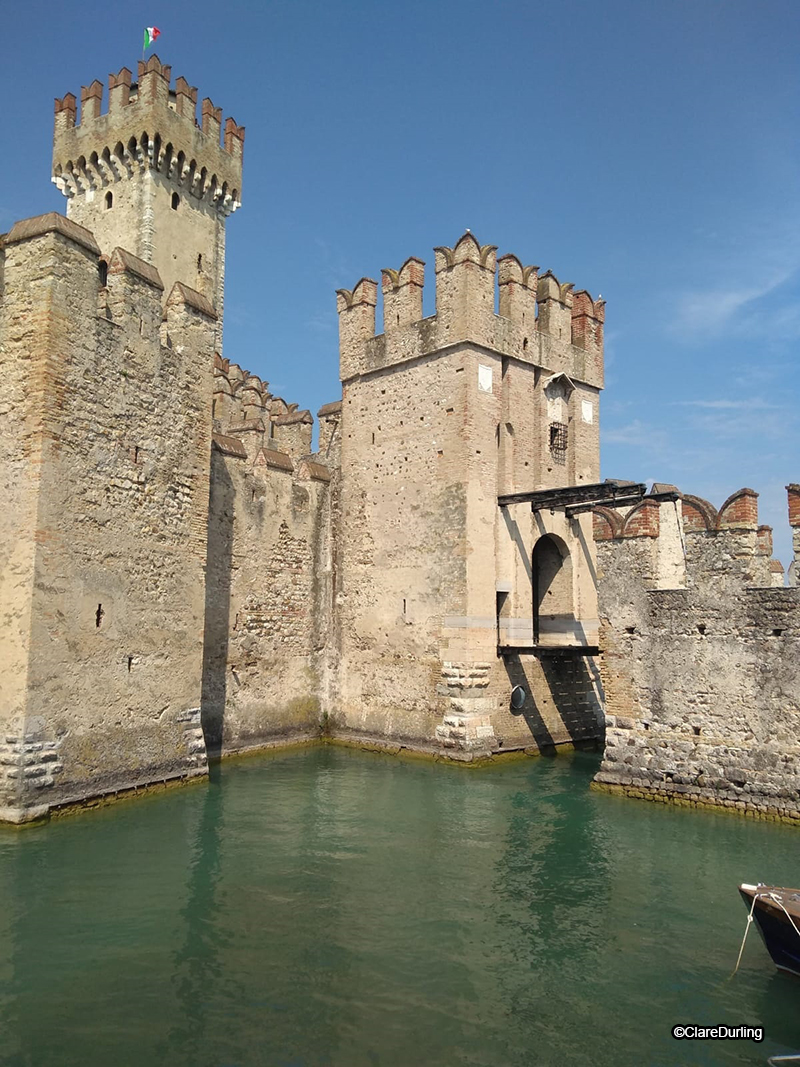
<point x="758" y="896"/>
<point x="785" y="912"/>
<point x="746" y="931"/>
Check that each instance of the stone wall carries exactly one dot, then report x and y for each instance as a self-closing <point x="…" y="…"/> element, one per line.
<point x="269" y="573"/>
<point x="106" y="444"/>
<point x="702" y="680"/>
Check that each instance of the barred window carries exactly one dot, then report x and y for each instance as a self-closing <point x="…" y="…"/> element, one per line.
<point x="558" y="441"/>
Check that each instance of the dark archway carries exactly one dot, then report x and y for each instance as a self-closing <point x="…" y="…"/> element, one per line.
<point x="553" y="614"/>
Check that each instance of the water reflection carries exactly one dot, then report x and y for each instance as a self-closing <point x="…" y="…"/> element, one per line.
<point x="338" y="908"/>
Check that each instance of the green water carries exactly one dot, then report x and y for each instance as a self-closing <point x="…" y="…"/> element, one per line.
<point x="331" y="907"/>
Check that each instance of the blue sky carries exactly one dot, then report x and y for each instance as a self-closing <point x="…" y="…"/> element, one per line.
<point x="647" y="151"/>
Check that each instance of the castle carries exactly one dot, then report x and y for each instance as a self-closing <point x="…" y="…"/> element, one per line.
<point x="183" y="577"/>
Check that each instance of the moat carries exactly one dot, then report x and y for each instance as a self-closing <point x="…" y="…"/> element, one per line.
<point x="332" y="907"/>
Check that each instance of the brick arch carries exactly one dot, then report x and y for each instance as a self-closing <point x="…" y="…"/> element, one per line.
<point x="698" y="514"/>
<point x="643" y="520"/>
<point x="606" y="524"/>
<point x="739" y="510"/>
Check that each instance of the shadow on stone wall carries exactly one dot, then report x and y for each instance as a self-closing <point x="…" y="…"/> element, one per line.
<point x="575" y="714"/>
<point x="217" y="607"/>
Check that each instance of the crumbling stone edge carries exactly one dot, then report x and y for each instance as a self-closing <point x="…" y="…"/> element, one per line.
<point x="743" y="809"/>
<point x="13" y="818"/>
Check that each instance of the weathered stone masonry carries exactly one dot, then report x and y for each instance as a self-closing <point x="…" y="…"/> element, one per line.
<point x="441" y="416"/>
<point x="701" y="663"/>
<point x="268" y="574"/>
<point x="181" y="575"/>
<point x="104" y="538"/>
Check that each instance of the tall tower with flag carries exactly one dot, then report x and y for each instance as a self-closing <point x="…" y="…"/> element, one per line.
<point x="145" y="175"/>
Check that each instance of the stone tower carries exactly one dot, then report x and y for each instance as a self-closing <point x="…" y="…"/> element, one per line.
<point x="109" y="321"/>
<point x="145" y="176"/>
<point x="449" y="424"/>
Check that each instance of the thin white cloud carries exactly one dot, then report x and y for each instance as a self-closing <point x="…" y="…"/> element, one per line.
<point x="772" y="257"/>
<point x="637" y="433"/>
<point x="712" y="311"/>
<point x="750" y="404"/>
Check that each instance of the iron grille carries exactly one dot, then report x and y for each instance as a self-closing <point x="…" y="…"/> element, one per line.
<point x="558" y="441"/>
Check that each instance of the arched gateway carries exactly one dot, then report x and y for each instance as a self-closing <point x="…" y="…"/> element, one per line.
<point x="553" y="607"/>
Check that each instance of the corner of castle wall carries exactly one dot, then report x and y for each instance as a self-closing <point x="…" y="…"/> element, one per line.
<point x="132" y="293"/>
<point x="356" y="309"/>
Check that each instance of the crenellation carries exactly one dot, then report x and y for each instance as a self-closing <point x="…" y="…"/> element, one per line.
<point x="642" y="520"/>
<point x="292" y="432"/>
<point x="153" y="83"/>
<point x="698" y="514"/>
<point x="740" y="511"/>
<point x="91" y="101"/>
<point x="356" y="308"/>
<point x="709" y="549"/>
<point x="211" y="120"/>
<point x="555" y="307"/>
<point x="777" y="574"/>
<point x="793" y="493"/>
<point x="464" y="313"/>
<point x="402" y="294"/>
<point x="465" y="282"/>
<point x="244" y="407"/>
<point x="185" y="99"/>
<point x="764" y="541"/>
<point x="588" y="318"/>
<point x="330" y="439"/>
<point x="119" y="91"/>
<point x="66" y="113"/>
<point x="518" y="287"/>
<point x="234" y="138"/>
<point x="133" y="291"/>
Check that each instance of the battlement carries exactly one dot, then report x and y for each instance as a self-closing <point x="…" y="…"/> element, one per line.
<point x="147" y="124"/>
<point x="692" y="542"/>
<point x="540" y="321"/>
<point x="243" y="405"/>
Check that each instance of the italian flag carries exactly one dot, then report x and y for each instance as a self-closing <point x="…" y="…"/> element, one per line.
<point x="150" y="34"/>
